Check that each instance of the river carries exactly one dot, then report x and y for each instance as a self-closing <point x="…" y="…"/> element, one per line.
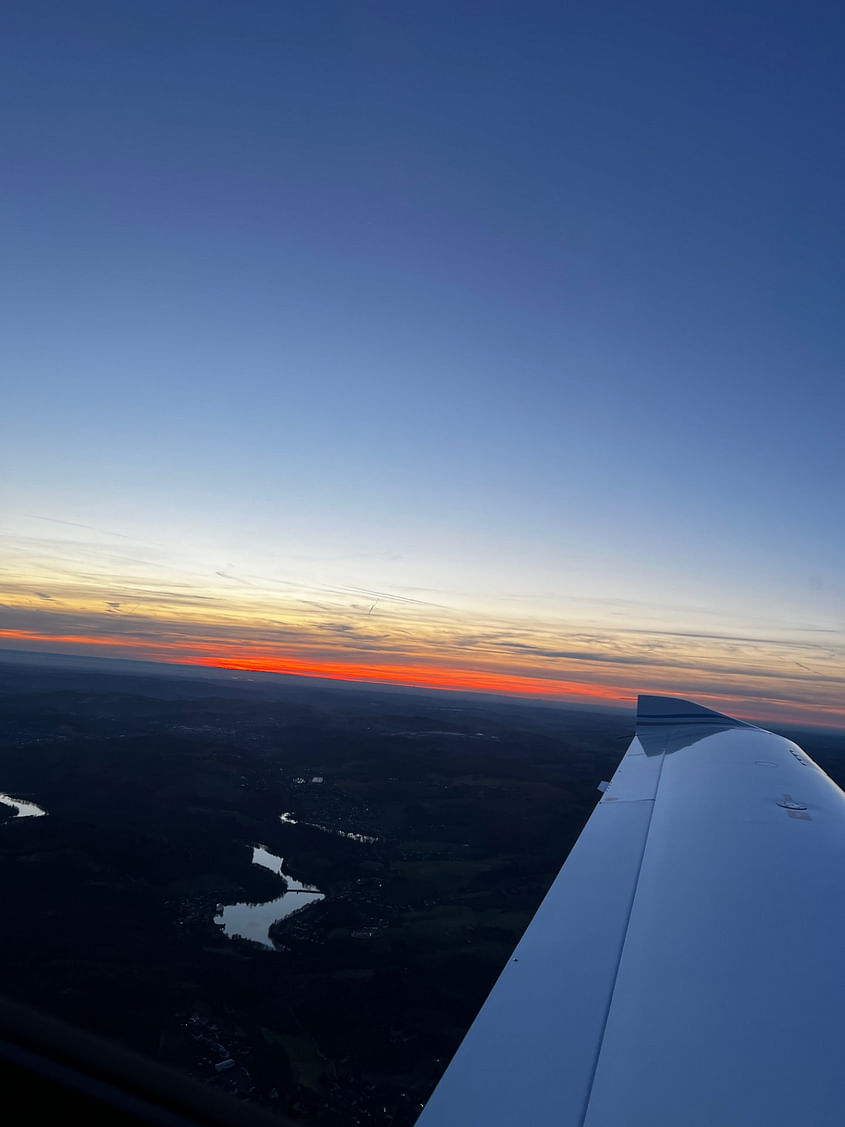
<point x="289" y="820"/>
<point x="24" y="809"/>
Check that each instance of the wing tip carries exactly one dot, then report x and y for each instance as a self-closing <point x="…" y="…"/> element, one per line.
<point x="668" y="711"/>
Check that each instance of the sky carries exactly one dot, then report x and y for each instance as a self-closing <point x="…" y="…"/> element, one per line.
<point x="493" y="346"/>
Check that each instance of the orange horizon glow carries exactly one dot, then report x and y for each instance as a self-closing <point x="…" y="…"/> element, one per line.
<point x="421" y="677"/>
<point x="242" y="656"/>
<point x="409" y="676"/>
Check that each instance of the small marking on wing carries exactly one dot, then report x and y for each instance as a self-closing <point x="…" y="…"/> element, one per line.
<point x="795" y="809"/>
<point x="789" y="803"/>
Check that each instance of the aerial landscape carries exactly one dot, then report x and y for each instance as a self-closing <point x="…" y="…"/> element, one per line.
<point x="431" y="824"/>
<point x="424" y="829"/>
<point x="393" y="394"/>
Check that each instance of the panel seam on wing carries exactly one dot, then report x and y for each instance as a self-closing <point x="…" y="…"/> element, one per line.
<point x="606" y="1018"/>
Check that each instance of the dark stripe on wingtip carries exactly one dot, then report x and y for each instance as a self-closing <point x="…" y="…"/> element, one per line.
<point x="691" y="718"/>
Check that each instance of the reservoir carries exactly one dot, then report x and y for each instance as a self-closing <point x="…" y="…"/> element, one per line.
<point x="253" y="921"/>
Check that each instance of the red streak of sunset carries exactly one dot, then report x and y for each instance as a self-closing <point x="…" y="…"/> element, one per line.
<point x="423" y="677"/>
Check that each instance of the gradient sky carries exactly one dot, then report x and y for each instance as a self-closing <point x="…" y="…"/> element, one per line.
<point x="495" y="345"/>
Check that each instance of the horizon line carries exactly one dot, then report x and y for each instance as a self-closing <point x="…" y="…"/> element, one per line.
<point x="598" y="696"/>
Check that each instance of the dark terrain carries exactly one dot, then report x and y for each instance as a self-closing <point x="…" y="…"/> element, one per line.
<point x="156" y="790"/>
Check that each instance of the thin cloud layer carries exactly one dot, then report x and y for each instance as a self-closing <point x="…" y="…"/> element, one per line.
<point x="348" y="632"/>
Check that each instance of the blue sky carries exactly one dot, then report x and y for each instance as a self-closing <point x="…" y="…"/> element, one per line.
<point x="530" y="311"/>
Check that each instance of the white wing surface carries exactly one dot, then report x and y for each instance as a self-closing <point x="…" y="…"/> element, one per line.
<point x="687" y="966"/>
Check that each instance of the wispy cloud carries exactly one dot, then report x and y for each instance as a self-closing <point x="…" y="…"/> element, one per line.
<point x="76" y="524"/>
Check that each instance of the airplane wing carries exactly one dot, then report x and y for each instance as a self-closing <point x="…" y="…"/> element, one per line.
<point x="687" y="966"/>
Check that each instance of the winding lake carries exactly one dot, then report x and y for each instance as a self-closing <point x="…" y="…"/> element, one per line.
<point x="253" y="921"/>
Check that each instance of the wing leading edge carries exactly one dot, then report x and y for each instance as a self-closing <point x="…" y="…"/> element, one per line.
<point x="686" y="965"/>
